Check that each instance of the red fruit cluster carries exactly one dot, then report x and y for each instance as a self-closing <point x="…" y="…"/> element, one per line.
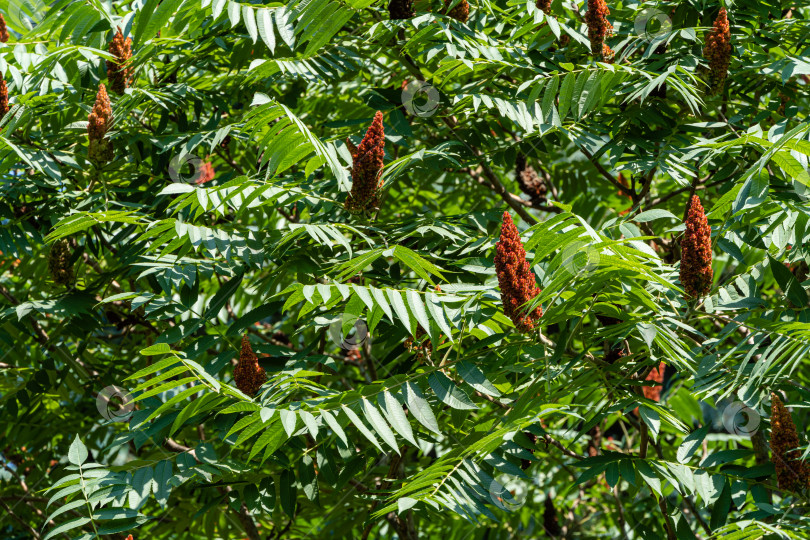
<point x="718" y="52"/>
<point x="654" y="392"/>
<point x="657" y="376"/>
<point x="367" y="164"/>
<point x="530" y="183"/>
<point x="353" y="356"/>
<point x="3" y="30"/>
<point x="791" y="473"/>
<point x="696" y="252"/>
<point x="4" y="108"/>
<point x="400" y="9"/>
<point x="598" y="26"/>
<point x="460" y="13"/>
<point x="206" y="173"/>
<point x="98" y="123"/>
<point x="118" y="71"/>
<point x="248" y="374"/>
<point x="607" y="54"/>
<point x="515" y="277"/>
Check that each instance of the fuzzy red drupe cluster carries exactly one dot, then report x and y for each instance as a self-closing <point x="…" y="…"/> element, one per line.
<point x="598" y="26"/>
<point x="515" y="277"/>
<point x="98" y="122"/>
<point x="367" y="164"/>
<point x="248" y="374"/>
<point x="696" y="252"/>
<point x="119" y="71"/>
<point x="791" y="473"/>
<point x="718" y="52"/>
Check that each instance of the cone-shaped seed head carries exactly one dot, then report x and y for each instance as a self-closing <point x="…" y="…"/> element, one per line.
<point x="791" y="473"/>
<point x="696" y="252"/>
<point x="515" y="277"/>
<point x="367" y="164"/>
<point x="248" y="374"/>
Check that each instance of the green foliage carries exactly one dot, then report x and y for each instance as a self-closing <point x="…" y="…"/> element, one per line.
<point x="400" y="400"/>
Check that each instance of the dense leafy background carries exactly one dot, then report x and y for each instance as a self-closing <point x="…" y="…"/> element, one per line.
<point x="170" y="275"/>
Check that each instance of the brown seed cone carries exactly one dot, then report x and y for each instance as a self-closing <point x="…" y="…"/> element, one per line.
<point x="460" y="13"/>
<point x="59" y="263"/>
<point x="248" y="374"/>
<point x="528" y="180"/>
<point x="367" y="164"/>
<point x="607" y="54"/>
<point x="550" y="523"/>
<point x="718" y="52"/>
<point x="4" y="108"/>
<point x="400" y="9"/>
<point x="515" y="277"/>
<point x="98" y="123"/>
<point x="3" y="30"/>
<point x="544" y="6"/>
<point x="696" y="252"/>
<point x="118" y="71"/>
<point x="598" y="26"/>
<point x="791" y="473"/>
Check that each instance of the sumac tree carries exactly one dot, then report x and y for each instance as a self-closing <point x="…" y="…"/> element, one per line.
<point x="418" y="269"/>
